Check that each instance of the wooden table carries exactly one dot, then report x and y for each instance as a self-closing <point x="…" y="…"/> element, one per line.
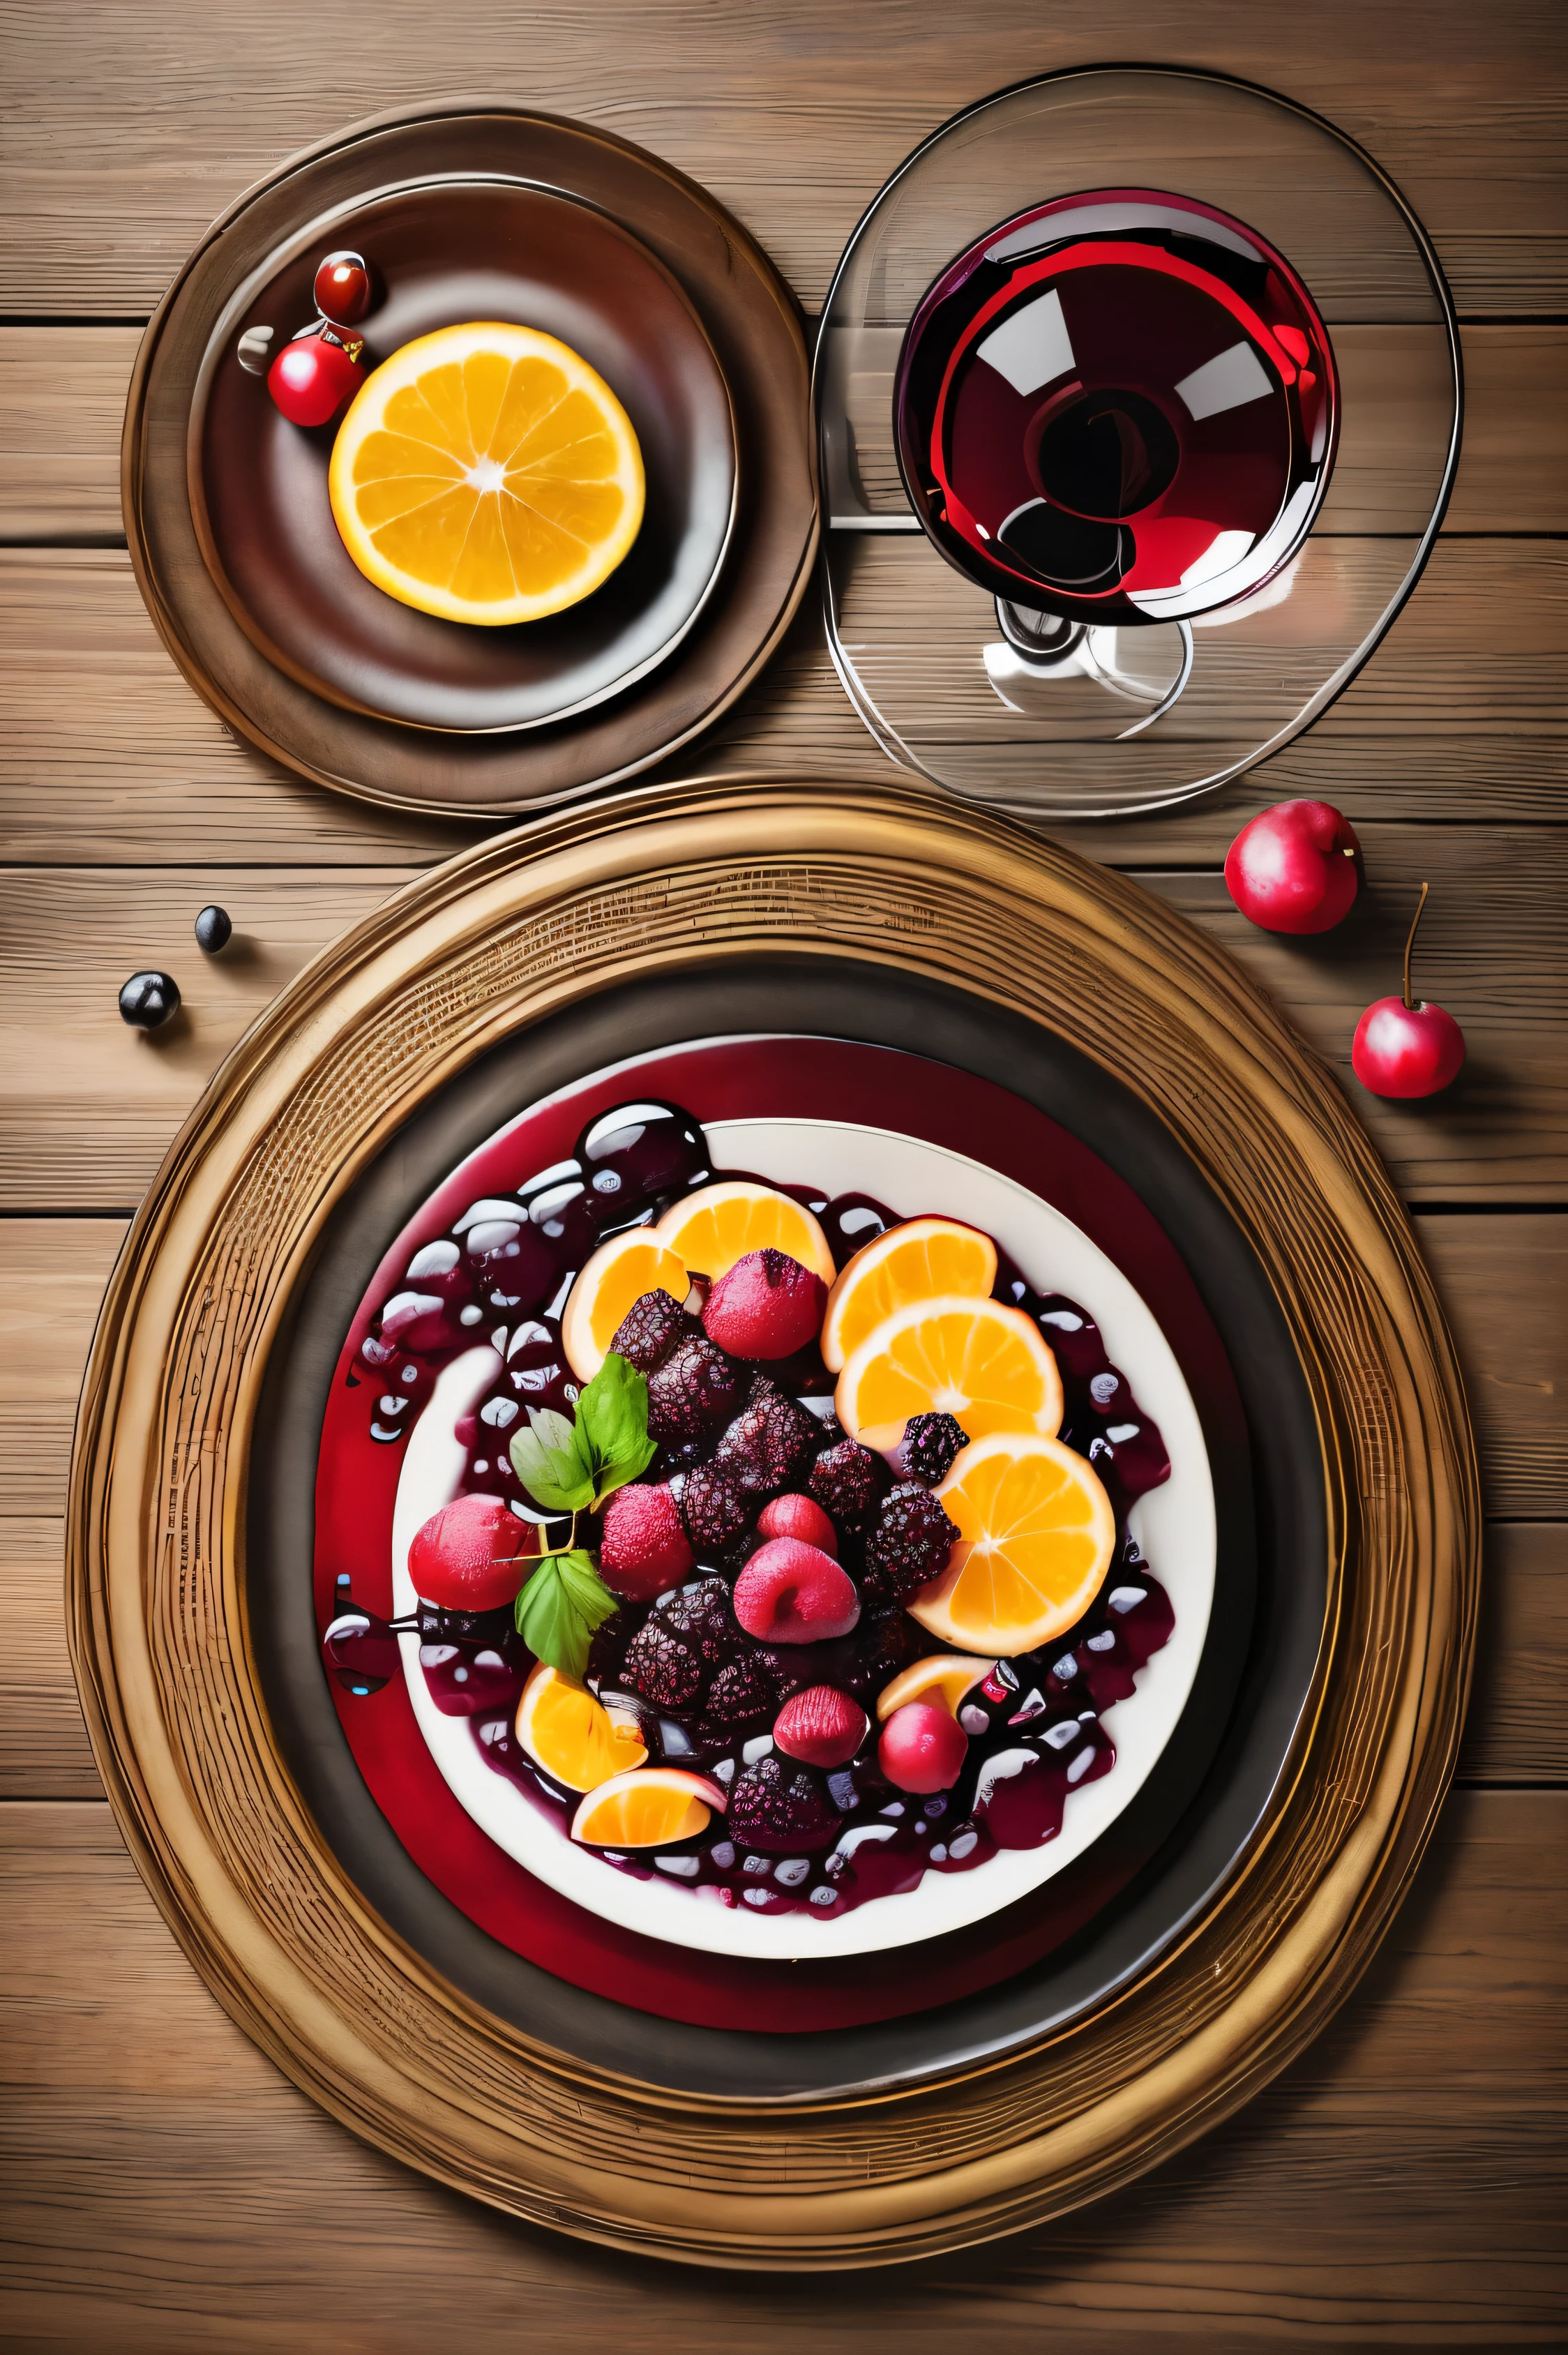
<point x="165" y="2187"/>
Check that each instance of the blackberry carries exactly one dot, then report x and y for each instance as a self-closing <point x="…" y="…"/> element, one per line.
<point x="692" y="1389"/>
<point x="659" y="1669"/>
<point x="883" y="1642"/>
<point x="931" y="1441"/>
<point x="699" y="1617"/>
<point x="769" y="1444"/>
<point x="714" y="1506"/>
<point x="845" y="1481"/>
<point x="740" y="1692"/>
<point x="910" y="1543"/>
<point x="780" y="1807"/>
<point x="649" y="1331"/>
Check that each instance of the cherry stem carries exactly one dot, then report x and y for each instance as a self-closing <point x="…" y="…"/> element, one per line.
<point x="1410" y="943"/>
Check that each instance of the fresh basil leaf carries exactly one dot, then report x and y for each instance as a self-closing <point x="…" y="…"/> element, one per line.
<point x="613" y="1426"/>
<point x="558" y="1609"/>
<point x="549" y="1462"/>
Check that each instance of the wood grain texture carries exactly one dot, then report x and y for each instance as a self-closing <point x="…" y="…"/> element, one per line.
<point x="166" y="2190"/>
<point x="124" y="145"/>
<point x="44" y="1749"/>
<point x="1504" y="1283"/>
<point x="1517" y="1730"/>
<point x="52" y="1275"/>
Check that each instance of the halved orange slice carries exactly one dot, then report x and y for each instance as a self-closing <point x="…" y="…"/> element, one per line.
<point x="572" y="1736"/>
<point x="1036" y="1533"/>
<point x="941" y="1679"/>
<point x="619" y="1272"/>
<point x="978" y="1359"/>
<point x="646" y="1808"/>
<point x="486" y="473"/>
<point x="921" y="1260"/>
<point x="713" y="1227"/>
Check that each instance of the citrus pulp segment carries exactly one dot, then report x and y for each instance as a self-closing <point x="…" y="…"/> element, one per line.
<point x="717" y="1225"/>
<point x="486" y="473"/>
<point x="921" y="1260"/>
<point x="941" y="1679"/>
<point x="572" y="1736"/>
<point x="1036" y="1534"/>
<point x="619" y="1272"/>
<point x="978" y="1359"/>
<point x="646" y="1808"/>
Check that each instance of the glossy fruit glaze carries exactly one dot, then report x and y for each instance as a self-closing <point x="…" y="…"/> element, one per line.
<point x="707" y="1693"/>
<point x="1118" y="407"/>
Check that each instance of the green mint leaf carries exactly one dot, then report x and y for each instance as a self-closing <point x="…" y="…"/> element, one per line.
<point x="613" y="1426"/>
<point x="551" y="1463"/>
<point x="558" y="1609"/>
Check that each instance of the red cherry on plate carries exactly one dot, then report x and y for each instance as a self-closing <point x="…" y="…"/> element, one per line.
<point x="922" y="1748"/>
<point x="1295" y="869"/>
<point x="342" y="289"/>
<point x="1404" y="1047"/>
<point x="467" y="1557"/>
<point x="313" y="380"/>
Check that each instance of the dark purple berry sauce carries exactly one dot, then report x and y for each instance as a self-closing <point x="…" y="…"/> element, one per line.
<point x="793" y="1837"/>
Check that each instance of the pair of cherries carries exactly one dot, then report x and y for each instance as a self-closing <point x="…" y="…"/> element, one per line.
<point x="1296" y="868"/>
<point x="315" y="377"/>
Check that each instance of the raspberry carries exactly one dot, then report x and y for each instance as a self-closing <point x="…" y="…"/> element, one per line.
<point x="649" y="1331"/>
<point x="768" y="1444"/>
<point x="739" y="1692"/>
<point x="716" y="1509"/>
<point x="695" y="1388"/>
<point x="930" y="1443"/>
<point x="908" y="1545"/>
<point x="644" y="1548"/>
<point x="844" y="1480"/>
<point x="766" y="1306"/>
<point x="779" y="1806"/>
<point x="660" y="1668"/>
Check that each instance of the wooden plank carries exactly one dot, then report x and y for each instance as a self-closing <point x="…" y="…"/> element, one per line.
<point x="91" y="1105"/>
<point x="1517" y="1730"/>
<point x="100" y="722"/>
<point x="52" y="1275"/>
<point x="62" y="400"/>
<point x="1504" y="1283"/>
<point x="44" y="1750"/>
<point x="129" y="133"/>
<point x="166" y="2188"/>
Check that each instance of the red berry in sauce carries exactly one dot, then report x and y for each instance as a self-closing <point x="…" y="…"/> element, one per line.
<point x="922" y="1749"/>
<point x="313" y="380"/>
<point x="1295" y="869"/>
<point x="468" y="1557"/>
<point x="798" y="1517"/>
<point x="644" y="1547"/>
<point x="821" y="1726"/>
<point x="342" y="289"/>
<point x="767" y="1306"/>
<point x="794" y="1594"/>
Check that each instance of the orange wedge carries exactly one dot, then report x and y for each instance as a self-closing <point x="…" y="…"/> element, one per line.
<point x="1036" y="1534"/>
<point x="620" y="1271"/>
<point x="943" y="1679"/>
<point x="978" y="1359"/>
<point x="713" y="1227"/>
<point x="921" y="1260"/>
<point x="573" y="1737"/>
<point x="486" y="473"/>
<point x="646" y="1808"/>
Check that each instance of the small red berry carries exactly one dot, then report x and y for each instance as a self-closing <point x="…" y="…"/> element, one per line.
<point x="798" y="1517"/>
<point x="1295" y="869"/>
<point x="644" y="1547"/>
<point x="767" y="1306"/>
<point x="468" y="1557"/>
<point x="1403" y="1047"/>
<point x="794" y="1594"/>
<point x="313" y="380"/>
<point x="821" y="1727"/>
<point x="922" y="1748"/>
<point x="342" y="289"/>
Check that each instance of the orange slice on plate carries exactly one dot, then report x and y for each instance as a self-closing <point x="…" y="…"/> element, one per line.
<point x="713" y="1227"/>
<point x="978" y="1359"/>
<point x="646" y="1808"/>
<point x="619" y="1272"/>
<point x="1036" y="1533"/>
<point x="486" y="473"/>
<point x="921" y="1260"/>
<point x="943" y="1679"/>
<point x="572" y="1736"/>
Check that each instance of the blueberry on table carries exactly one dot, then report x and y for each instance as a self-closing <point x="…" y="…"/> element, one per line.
<point x="148" y="999"/>
<point x="214" y="930"/>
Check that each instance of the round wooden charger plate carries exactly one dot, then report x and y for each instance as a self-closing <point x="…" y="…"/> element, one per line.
<point x="508" y="935"/>
<point x="753" y="327"/>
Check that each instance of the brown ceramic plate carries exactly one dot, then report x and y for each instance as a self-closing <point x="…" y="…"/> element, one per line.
<point x="445" y="252"/>
<point x="331" y="725"/>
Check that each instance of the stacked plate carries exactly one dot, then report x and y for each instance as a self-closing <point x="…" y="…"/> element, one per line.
<point x="494" y="214"/>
